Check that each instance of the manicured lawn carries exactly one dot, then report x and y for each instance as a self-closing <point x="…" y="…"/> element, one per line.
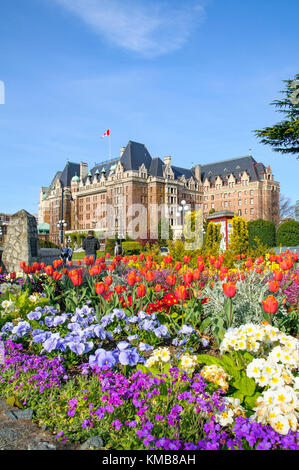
<point x="81" y="254"/>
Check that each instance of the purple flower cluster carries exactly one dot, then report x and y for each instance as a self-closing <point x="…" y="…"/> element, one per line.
<point x="38" y="372"/>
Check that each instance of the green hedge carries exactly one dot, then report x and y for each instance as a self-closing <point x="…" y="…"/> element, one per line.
<point x="131" y="248"/>
<point x="47" y="244"/>
<point x="288" y="233"/>
<point x="264" y="230"/>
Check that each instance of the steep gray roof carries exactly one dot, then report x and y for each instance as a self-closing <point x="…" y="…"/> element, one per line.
<point x="233" y="166"/>
<point x="68" y="172"/>
<point x="156" y="168"/>
<point x="135" y="155"/>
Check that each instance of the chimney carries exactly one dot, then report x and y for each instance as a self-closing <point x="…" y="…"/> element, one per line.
<point x="83" y="170"/>
<point x="167" y="161"/>
<point x="122" y="149"/>
<point x="198" y="172"/>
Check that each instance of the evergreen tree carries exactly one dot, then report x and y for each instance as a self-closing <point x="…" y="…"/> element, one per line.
<point x="284" y="136"/>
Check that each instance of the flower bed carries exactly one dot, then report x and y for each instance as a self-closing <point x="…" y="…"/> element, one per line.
<point x="155" y="354"/>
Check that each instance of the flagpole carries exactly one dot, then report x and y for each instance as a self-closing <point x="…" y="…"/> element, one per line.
<point x="109" y="145"/>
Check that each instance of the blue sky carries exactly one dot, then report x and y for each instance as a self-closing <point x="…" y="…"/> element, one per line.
<point x="189" y="79"/>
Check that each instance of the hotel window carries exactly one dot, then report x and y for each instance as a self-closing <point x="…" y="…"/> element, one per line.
<point x="251" y="211"/>
<point x="239" y="193"/>
<point x="239" y="212"/>
<point x="239" y="202"/>
<point x="251" y="192"/>
<point x="251" y="201"/>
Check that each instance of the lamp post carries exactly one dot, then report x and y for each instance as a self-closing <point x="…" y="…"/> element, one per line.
<point x="61" y="224"/>
<point x="182" y="209"/>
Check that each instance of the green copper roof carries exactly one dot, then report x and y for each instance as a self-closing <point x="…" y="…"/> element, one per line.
<point x="76" y="178"/>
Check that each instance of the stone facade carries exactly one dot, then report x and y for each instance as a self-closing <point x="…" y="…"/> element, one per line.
<point x="22" y="242"/>
<point x="102" y="198"/>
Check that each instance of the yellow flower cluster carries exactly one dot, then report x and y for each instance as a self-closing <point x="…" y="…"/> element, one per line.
<point x="257" y="338"/>
<point x="216" y="375"/>
<point x="278" y="406"/>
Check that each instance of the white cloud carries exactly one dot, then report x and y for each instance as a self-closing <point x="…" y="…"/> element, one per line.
<point x="150" y="28"/>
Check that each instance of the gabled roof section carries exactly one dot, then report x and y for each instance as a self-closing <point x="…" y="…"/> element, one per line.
<point x="134" y="155"/>
<point x="69" y="171"/>
<point x="103" y="167"/>
<point x="156" y="168"/>
<point x="178" y="172"/>
<point x="233" y="166"/>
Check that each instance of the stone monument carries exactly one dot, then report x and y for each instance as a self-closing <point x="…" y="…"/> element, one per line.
<point x="22" y="243"/>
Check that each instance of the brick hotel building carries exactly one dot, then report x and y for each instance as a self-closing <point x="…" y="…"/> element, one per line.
<point x="82" y="196"/>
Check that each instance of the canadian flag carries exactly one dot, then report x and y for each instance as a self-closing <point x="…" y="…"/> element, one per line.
<point x="106" y="133"/>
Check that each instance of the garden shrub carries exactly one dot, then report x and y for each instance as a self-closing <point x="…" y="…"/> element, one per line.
<point x="213" y="238"/>
<point x="47" y="244"/>
<point x="239" y="237"/>
<point x="288" y="233"/>
<point x="132" y="248"/>
<point x="264" y="230"/>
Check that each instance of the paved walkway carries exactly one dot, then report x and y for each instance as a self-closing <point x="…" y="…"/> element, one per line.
<point x="18" y="432"/>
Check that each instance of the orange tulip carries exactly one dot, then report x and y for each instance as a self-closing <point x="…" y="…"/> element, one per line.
<point x="181" y="292"/>
<point x="273" y="286"/>
<point x="140" y="290"/>
<point x="171" y="279"/>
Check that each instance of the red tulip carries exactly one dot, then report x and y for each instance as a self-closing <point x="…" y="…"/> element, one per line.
<point x="177" y="265"/>
<point x="229" y="289"/>
<point x="188" y="277"/>
<point x="108" y="280"/>
<point x="270" y="304"/>
<point x="100" y="287"/>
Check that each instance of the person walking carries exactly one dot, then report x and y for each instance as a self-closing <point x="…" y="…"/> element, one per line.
<point x="64" y="253"/>
<point x="91" y="245"/>
<point x="70" y="253"/>
<point x="117" y="249"/>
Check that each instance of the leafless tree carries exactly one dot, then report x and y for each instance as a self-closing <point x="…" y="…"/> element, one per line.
<point x="286" y="209"/>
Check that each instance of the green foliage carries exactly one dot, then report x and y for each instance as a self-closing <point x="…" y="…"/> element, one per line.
<point x="284" y="136"/>
<point x="213" y="239"/>
<point x="259" y="249"/>
<point x="264" y="230"/>
<point x="47" y="244"/>
<point x="131" y="248"/>
<point x="193" y="230"/>
<point x="288" y="233"/>
<point x="240" y="386"/>
<point x="165" y="232"/>
<point x="239" y="237"/>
